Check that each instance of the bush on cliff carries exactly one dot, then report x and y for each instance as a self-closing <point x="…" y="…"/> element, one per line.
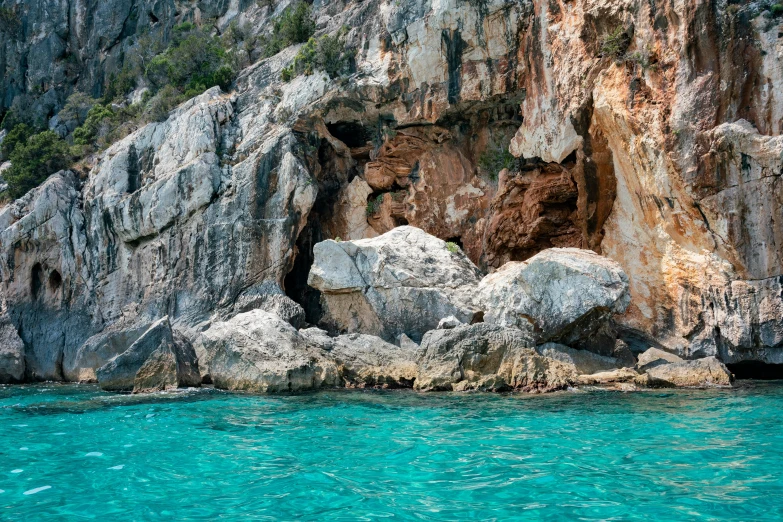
<point x="19" y="134"/>
<point x="295" y="25"/>
<point x="326" y="53"/>
<point x="33" y="160"/>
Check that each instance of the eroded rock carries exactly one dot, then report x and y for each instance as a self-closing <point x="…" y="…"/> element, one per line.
<point x="562" y="294"/>
<point x="699" y="373"/>
<point x="160" y="359"/>
<point x="488" y="357"/>
<point x="11" y="354"/>
<point x="404" y="281"/>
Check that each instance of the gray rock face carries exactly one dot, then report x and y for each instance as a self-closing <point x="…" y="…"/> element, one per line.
<point x="81" y="364"/>
<point x="367" y="361"/>
<point x="258" y="351"/>
<point x="278" y="304"/>
<point x="488" y="357"/>
<point x="11" y="354"/>
<point x="404" y="281"/>
<point x="563" y="294"/>
<point x="585" y="362"/>
<point x="700" y="373"/>
<point x="158" y="360"/>
<point x="655" y="357"/>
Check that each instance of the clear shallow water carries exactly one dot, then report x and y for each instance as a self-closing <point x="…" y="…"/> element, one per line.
<point x="674" y="455"/>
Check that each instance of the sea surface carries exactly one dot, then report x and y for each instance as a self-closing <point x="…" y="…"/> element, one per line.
<point x="72" y="452"/>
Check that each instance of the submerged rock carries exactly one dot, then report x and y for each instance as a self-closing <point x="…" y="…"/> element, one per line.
<point x="705" y="372"/>
<point x="562" y="294"/>
<point x="158" y="360"/>
<point x="488" y="357"/>
<point x="11" y="354"/>
<point x="402" y="282"/>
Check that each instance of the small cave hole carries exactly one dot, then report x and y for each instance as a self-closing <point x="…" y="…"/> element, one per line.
<point x="456" y="240"/>
<point x="756" y="370"/>
<point x="351" y="133"/>
<point x="36" y="280"/>
<point x="55" y="281"/>
<point x="153" y="19"/>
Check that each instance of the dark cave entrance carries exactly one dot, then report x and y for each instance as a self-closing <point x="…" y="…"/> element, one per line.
<point x="36" y="280"/>
<point x="756" y="370"/>
<point x="334" y="172"/>
<point x="353" y="134"/>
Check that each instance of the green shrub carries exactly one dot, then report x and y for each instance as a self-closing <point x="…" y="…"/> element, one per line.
<point x="295" y="25"/>
<point x="614" y="42"/>
<point x="452" y="247"/>
<point x="97" y="124"/>
<point x="496" y="158"/>
<point x="776" y="9"/>
<point x="326" y="53"/>
<point x="19" y="134"/>
<point x="196" y="60"/>
<point x="374" y="205"/>
<point x="33" y="160"/>
<point x="160" y="105"/>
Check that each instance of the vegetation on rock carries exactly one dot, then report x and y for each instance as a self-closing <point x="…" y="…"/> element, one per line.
<point x="33" y="159"/>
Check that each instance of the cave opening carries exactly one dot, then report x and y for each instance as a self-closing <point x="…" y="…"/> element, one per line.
<point x="55" y="281"/>
<point x="756" y="370"/>
<point x="351" y="133"/>
<point x="334" y="173"/>
<point x="36" y="280"/>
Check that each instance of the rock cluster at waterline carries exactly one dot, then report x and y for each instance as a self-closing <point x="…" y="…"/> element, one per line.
<point x="514" y="349"/>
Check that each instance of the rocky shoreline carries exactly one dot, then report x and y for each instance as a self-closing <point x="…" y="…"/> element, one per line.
<point x="406" y="310"/>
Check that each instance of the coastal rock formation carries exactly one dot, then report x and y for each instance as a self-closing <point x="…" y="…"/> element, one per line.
<point x="655" y="357"/>
<point x="488" y="357"/>
<point x="11" y="354"/>
<point x="648" y="133"/>
<point x="367" y="361"/>
<point x="704" y="372"/>
<point x="584" y="361"/>
<point x="258" y="351"/>
<point x="561" y="294"/>
<point x="402" y="282"/>
<point x="158" y="360"/>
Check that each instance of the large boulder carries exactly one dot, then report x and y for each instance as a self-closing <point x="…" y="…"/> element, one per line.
<point x="585" y="362"/>
<point x="11" y="354"/>
<point x="160" y="359"/>
<point x="402" y="282"/>
<point x="367" y="361"/>
<point x="564" y="294"/>
<point x="82" y="363"/>
<point x="258" y="351"/>
<point x="488" y="357"/>
<point x="653" y="357"/>
<point x="699" y="373"/>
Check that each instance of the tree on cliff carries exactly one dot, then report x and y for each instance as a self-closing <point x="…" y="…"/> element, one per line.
<point x="33" y="160"/>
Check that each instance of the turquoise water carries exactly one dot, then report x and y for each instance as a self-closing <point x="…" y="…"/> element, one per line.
<point x="674" y="455"/>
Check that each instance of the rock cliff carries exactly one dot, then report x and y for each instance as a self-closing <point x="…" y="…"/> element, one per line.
<point x="648" y="133"/>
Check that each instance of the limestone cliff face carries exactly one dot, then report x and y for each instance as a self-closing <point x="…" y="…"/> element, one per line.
<point x="502" y="126"/>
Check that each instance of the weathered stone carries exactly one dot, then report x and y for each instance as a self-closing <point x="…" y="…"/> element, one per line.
<point x="619" y="375"/>
<point x="367" y="361"/>
<point x="258" y="351"/>
<point x="585" y="362"/>
<point x="278" y="304"/>
<point x="488" y="357"/>
<point x="404" y="281"/>
<point x="11" y="354"/>
<point x="80" y="365"/>
<point x="158" y="360"/>
<point x="449" y="322"/>
<point x="705" y="372"/>
<point x="655" y="357"/>
<point x="563" y="294"/>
